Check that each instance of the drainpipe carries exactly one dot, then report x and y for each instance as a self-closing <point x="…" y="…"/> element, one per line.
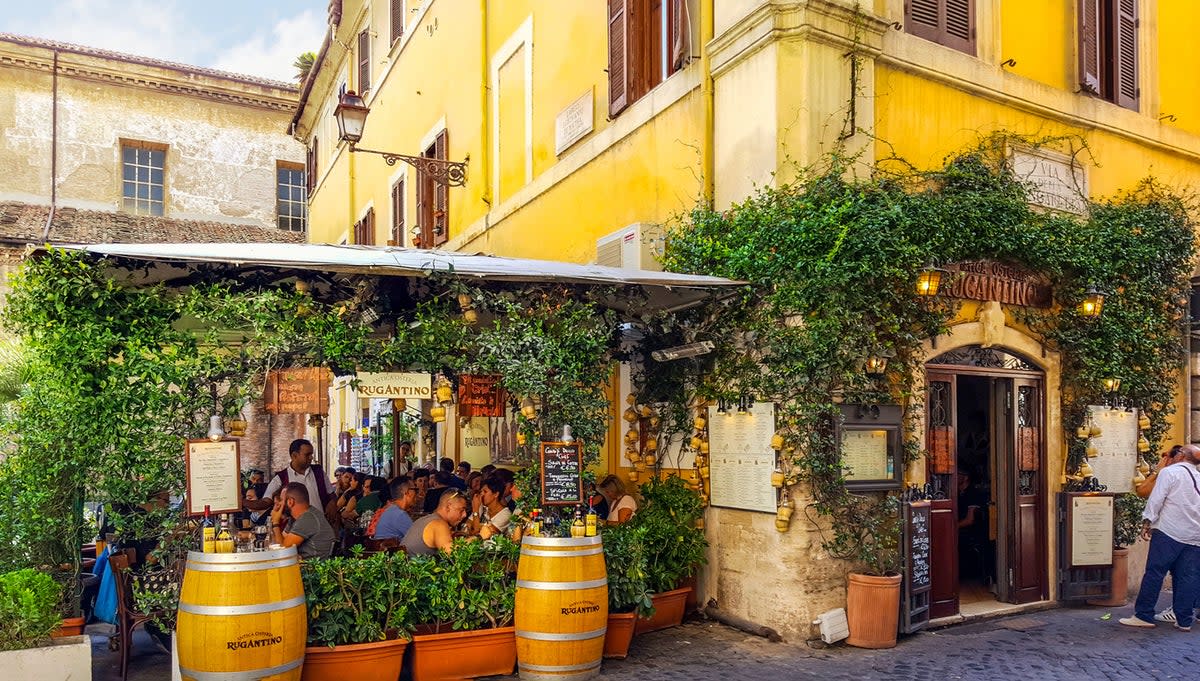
<point x="484" y="118"/>
<point x="53" y="147"/>
<point x="706" y="36"/>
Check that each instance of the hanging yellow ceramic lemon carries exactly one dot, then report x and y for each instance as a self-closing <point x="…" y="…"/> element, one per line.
<point x="1082" y="432"/>
<point x="1143" y="422"/>
<point x="777" y="441"/>
<point x="444" y="393"/>
<point x="438" y="414"/>
<point x="521" y="438"/>
<point x="699" y="423"/>
<point x="651" y="444"/>
<point x="630" y="415"/>
<point x="695" y="442"/>
<point x="703" y="446"/>
<point x="650" y="459"/>
<point x="1143" y="444"/>
<point x="631" y="436"/>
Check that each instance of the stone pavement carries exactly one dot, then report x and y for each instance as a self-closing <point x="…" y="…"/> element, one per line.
<point x="1064" y="644"/>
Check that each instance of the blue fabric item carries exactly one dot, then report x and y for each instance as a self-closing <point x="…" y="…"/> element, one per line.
<point x="393" y="524"/>
<point x="106" y="598"/>
<point x="1166" y="554"/>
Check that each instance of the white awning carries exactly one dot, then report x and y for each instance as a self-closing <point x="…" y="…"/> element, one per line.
<point x="671" y="290"/>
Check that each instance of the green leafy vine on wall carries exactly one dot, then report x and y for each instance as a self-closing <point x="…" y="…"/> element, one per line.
<point x="832" y="263"/>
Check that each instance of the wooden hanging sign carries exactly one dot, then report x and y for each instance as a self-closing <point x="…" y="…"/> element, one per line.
<point x="562" y="473"/>
<point x="299" y="390"/>
<point x="480" y="395"/>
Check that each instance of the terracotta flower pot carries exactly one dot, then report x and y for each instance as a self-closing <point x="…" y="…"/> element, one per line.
<point x="71" y="626"/>
<point x="619" y="634"/>
<point x="377" y="661"/>
<point x="873" y="610"/>
<point x="668" y="611"/>
<point x="1120" y="580"/>
<point x="463" y="654"/>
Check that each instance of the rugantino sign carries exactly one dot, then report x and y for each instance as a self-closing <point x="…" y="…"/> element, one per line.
<point x="580" y="608"/>
<point x="259" y="639"/>
<point x="988" y="280"/>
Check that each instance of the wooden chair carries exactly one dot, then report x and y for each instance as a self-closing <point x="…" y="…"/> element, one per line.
<point x="128" y="618"/>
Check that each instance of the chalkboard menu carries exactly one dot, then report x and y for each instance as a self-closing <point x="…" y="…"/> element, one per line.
<point x="562" y="470"/>
<point x="918" y="580"/>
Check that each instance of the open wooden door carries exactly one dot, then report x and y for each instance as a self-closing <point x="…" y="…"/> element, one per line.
<point x="940" y="440"/>
<point x="1027" y="536"/>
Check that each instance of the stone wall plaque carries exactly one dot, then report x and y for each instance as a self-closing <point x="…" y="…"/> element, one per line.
<point x="1055" y="181"/>
<point x="573" y="122"/>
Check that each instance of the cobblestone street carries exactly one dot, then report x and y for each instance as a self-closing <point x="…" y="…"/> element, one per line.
<point x="1060" y="644"/>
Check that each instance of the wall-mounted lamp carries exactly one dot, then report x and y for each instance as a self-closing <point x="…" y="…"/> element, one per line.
<point x="745" y="403"/>
<point x="876" y="363"/>
<point x="1092" y="304"/>
<point x="351" y="114"/>
<point x="722" y="405"/>
<point x="1111" y="385"/>
<point x="929" y="280"/>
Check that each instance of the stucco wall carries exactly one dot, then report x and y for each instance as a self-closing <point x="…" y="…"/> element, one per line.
<point x="221" y="154"/>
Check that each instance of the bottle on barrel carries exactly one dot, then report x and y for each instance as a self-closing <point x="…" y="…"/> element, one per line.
<point x="591" y="521"/>
<point x="224" y="537"/>
<point x="578" y="529"/>
<point x="208" y="536"/>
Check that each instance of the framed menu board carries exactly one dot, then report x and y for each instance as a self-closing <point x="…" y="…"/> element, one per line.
<point x="214" y="476"/>
<point x="870" y="443"/>
<point x="562" y="473"/>
<point x="1090" y="530"/>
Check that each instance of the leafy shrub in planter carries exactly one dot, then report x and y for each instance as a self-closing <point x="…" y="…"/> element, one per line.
<point x="472" y="587"/>
<point x="674" y="547"/>
<point x="29" y="608"/>
<point x="358" y="599"/>
<point x="1127" y="519"/>
<point x="625" y="562"/>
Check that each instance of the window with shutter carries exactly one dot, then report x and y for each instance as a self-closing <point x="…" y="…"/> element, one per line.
<point x="310" y="167"/>
<point x="364" y="61"/>
<point x="946" y="22"/>
<point x="398" y="213"/>
<point x="441" y="196"/>
<point x="397" y="20"/>
<point x="364" y="229"/>
<point x="648" y="40"/>
<point x="1125" y="57"/>
<point x="618" y="56"/>
<point x="1108" y="50"/>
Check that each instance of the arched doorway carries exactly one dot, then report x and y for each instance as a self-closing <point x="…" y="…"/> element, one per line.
<point x="985" y="416"/>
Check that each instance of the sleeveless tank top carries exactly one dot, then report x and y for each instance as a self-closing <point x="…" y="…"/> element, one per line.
<point x="414" y="539"/>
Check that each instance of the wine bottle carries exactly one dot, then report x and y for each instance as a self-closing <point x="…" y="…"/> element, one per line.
<point x="208" y="534"/>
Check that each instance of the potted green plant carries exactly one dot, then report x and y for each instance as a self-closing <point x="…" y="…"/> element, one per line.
<point x="29" y="614"/>
<point x="359" y="616"/>
<point x="629" y="595"/>
<point x="869" y="537"/>
<point x="1127" y="527"/>
<point x="464" y="607"/>
<point x="674" y="547"/>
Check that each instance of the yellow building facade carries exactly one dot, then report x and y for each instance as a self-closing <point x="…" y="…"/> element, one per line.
<point x="584" y="121"/>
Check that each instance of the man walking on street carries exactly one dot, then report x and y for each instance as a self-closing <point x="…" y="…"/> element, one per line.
<point x="1172" y="524"/>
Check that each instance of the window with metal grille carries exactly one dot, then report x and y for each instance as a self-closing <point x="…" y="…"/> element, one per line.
<point x="291" y="197"/>
<point x="142" y="187"/>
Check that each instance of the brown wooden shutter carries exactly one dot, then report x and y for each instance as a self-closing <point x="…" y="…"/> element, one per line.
<point x="1089" y="46"/>
<point x="441" y="195"/>
<point x="959" y="25"/>
<point x="397" y="20"/>
<point x="310" y="168"/>
<point x="398" y="213"/>
<point x="681" y="35"/>
<point x="424" y="237"/>
<point x="364" y="61"/>
<point x="922" y="19"/>
<point x="1125" y="54"/>
<point x="618" y="56"/>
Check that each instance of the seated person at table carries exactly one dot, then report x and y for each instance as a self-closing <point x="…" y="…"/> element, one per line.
<point x="420" y="478"/>
<point x="308" y="530"/>
<point x="395" y="521"/>
<point x="621" y="505"/>
<point x="373" y="498"/>
<point x="435" y="532"/>
<point x="441" y="483"/>
<point x="447" y="465"/>
<point x="493" y="516"/>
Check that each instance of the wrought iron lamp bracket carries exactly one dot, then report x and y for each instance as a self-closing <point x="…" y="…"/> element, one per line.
<point x="449" y="173"/>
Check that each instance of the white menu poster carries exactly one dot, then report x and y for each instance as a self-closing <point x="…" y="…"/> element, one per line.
<point x="1116" y="445"/>
<point x="741" y="459"/>
<point x="865" y="455"/>
<point x="1091" y="530"/>
<point x="214" y="476"/>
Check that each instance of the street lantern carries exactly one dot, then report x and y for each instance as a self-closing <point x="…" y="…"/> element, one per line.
<point x="928" y="281"/>
<point x="351" y="114"/>
<point x="876" y="363"/>
<point x="1092" y="303"/>
<point x="1111" y="385"/>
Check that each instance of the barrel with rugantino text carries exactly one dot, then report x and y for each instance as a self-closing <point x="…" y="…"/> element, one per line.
<point x="562" y="608"/>
<point x="242" y="616"/>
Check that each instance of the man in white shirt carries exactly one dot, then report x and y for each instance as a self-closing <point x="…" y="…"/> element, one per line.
<point x="303" y="471"/>
<point x="1172" y="524"/>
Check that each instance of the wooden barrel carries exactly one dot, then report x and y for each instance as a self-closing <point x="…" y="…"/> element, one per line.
<point x="242" y="617"/>
<point x="562" y="608"/>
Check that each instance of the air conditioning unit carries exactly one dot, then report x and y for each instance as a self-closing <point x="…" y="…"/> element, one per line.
<point x="833" y="625"/>
<point x="631" y="248"/>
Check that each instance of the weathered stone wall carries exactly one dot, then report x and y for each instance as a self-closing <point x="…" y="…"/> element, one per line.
<point x="223" y="135"/>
